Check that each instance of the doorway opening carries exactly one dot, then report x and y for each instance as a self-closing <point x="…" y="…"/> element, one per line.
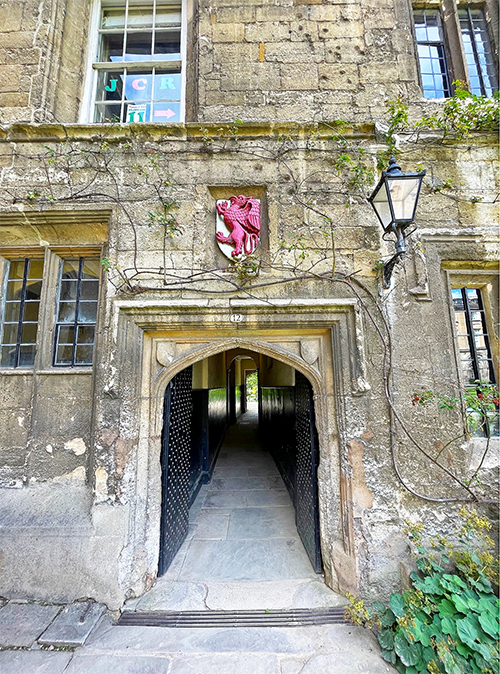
<point x="259" y="430"/>
<point x="239" y="481"/>
<point x="251" y="390"/>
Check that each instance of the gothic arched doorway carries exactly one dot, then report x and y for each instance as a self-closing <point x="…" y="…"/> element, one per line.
<point x="204" y="411"/>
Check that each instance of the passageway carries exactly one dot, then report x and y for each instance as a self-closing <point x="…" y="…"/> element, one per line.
<point x="242" y="550"/>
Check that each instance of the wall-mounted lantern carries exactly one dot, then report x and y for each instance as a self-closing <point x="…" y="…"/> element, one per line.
<point x="394" y="200"/>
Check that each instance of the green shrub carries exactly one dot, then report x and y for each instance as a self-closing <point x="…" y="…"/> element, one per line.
<point x="448" y="622"/>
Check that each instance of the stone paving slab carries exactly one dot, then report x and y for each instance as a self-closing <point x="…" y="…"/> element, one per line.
<point x="284" y="594"/>
<point x="210" y="525"/>
<point x="244" y="663"/>
<point x="121" y="664"/>
<point x="268" y="559"/>
<point x="346" y="663"/>
<point x="73" y="625"/>
<point x="158" y="640"/>
<point x="315" y="594"/>
<point x="321" y="649"/>
<point x="33" y="662"/>
<point x="226" y="499"/>
<point x="246" y="483"/>
<point x="271" y="522"/>
<point x="22" y="624"/>
<point x="168" y="595"/>
<point x="268" y="497"/>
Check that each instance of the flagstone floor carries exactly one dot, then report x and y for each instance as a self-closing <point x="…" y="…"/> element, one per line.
<point x="242" y="550"/>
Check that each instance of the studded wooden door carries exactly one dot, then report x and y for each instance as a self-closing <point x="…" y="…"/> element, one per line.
<point x="176" y="459"/>
<point x="306" y="471"/>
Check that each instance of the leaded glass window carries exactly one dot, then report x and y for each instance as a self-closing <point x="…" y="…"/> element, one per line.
<point x="431" y="53"/>
<point x="20" y="312"/>
<point x="474" y="350"/>
<point x="478" y="53"/>
<point x="77" y="312"/>
<point x="139" y="63"/>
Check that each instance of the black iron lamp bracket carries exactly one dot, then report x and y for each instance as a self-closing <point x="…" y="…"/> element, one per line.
<point x="388" y="269"/>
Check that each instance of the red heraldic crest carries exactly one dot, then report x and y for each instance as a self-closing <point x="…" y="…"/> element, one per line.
<point x="238" y="225"/>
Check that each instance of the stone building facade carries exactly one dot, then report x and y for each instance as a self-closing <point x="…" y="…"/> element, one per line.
<point x="112" y="281"/>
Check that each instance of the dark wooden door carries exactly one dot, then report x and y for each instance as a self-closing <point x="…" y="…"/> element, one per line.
<point x="176" y="466"/>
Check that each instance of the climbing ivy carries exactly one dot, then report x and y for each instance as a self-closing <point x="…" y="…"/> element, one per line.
<point x="459" y="116"/>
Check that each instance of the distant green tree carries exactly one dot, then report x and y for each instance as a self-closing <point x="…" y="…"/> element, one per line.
<point x="252" y="384"/>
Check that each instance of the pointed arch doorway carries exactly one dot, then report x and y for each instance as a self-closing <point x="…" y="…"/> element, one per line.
<point x="240" y="470"/>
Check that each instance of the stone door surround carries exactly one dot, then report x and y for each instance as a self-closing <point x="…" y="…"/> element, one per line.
<point x="323" y="339"/>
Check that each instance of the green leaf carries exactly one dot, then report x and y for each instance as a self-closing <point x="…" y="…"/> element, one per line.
<point x="430" y="585"/>
<point x="480" y="662"/>
<point x="428" y="654"/>
<point x="469" y="631"/>
<point x="483" y="585"/>
<point x="420" y="615"/>
<point x="386" y="639"/>
<point x="378" y="606"/>
<point x="387" y="618"/>
<point x="421" y="666"/>
<point x="436" y="623"/>
<point x="389" y="656"/>
<point x="408" y="652"/>
<point x="485" y="651"/>
<point x="489" y="606"/>
<point x="475" y="668"/>
<point x="460" y="603"/>
<point x="401" y="668"/>
<point x="449" y="627"/>
<point x="422" y="565"/>
<point x="455" y="580"/>
<point x="489" y="624"/>
<point x="421" y="632"/>
<point x="450" y="666"/>
<point x="464" y="650"/>
<point x="447" y="608"/>
<point x="397" y="604"/>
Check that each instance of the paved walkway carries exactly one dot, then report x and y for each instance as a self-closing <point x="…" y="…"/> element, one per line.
<point x="110" y="649"/>
<point x="243" y="550"/>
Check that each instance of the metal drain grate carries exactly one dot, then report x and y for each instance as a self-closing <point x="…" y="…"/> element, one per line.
<point x="285" y="618"/>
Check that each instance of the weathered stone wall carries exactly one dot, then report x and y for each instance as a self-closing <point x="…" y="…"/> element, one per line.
<point x="43" y="47"/>
<point x="92" y="438"/>
<point x="285" y="60"/>
<point x="454" y="230"/>
<point x="303" y="61"/>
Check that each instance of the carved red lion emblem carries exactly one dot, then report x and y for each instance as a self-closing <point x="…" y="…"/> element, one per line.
<point x="241" y="216"/>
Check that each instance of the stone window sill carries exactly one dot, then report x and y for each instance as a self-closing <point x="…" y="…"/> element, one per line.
<point x="54" y="370"/>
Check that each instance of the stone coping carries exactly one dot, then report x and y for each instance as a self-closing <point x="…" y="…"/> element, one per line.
<point x="198" y="131"/>
<point x="38" y="132"/>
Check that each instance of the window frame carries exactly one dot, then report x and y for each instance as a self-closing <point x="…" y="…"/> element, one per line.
<point x="53" y="259"/>
<point x="479" y="279"/>
<point x="75" y="323"/>
<point x="92" y="73"/>
<point x="468" y="8"/>
<point x="453" y="41"/>
<point x="445" y="44"/>
<point x="26" y="257"/>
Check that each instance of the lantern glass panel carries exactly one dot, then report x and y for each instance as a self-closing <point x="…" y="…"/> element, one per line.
<point x="404" y="192"/>
<point x="380" y="203"/>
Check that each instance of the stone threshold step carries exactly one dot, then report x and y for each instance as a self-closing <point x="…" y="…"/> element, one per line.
<point x="266" y="618"/>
